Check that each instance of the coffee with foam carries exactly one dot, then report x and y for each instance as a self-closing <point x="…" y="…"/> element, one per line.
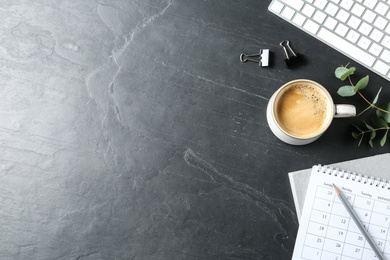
<point x="302" y="110"/>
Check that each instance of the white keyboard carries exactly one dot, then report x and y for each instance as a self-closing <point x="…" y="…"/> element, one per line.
<point x="360" y="29"/>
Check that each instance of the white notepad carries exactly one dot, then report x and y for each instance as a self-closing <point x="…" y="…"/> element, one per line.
<point x="327" y="231"/>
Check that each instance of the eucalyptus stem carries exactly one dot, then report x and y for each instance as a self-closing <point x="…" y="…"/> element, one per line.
<point x="373" y="130"/>
<point x="372" y="105"/>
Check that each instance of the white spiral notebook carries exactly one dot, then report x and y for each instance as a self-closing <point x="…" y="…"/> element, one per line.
<point x="326" y="229"/>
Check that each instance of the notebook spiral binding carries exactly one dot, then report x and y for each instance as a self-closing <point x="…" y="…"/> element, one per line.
<point x="378" y="182"/>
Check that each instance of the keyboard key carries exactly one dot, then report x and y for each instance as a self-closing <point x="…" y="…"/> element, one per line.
<point x="342" y="15"/>
<point x="381" y="67"/>
<point x="380" y="22"/>
<point x="376" y="35"/>
<point x="346" y="47"/>
<point x="370" y="3"/>
<point x="331" y="9"/>
<point x="299" y="19"/>
<point x="388" y="29"/>
<point x="386" y="56"/>
<point x="319" y="17"/>
<point x="354" y="22"/>
<point x="346" y="4"/>
<point x="381" y="8"/>
<point x="330" y="23"/>
<point x="364" y="42"/>
<point x="335" y="1"/>
<point x="320" y="3"/>
<point x="288" y="12"/>
<point x="308" y="10"/>
<point x="386" y="41"/>
<point x="369" y="16"/>
<point x="375" y="49"/>
<point x="296" y="4"/>
<point x="357" y="10"/>
<point x="341" y="30"/>
<point x="353" y="36"/>
<point x="311" y="26"/>
<point x="365" y="28"/>
<point x="276" y="7"/>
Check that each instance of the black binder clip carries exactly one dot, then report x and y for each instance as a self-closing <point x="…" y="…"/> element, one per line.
<point x="263" y="60"/>
<point x="295" y="59"/>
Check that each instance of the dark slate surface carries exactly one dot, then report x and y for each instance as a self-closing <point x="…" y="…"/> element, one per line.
<point x="130" y="130"/>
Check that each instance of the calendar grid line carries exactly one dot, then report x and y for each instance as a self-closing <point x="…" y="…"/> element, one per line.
<point x="364" y="246"/>
<point x="384" y="243"/>
<point x="349" y="222"/>
<point x="387" y="237"/>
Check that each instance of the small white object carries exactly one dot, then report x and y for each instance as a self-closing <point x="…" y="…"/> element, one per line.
<point x="365" y="28"/>
<point x="369" y="16"/>
<point x="319" y="16"/>
<point x="364" y="42"/>
<point x="380" y="22"/>
<point x="353" y="36"/>
<point x="346" y="4"/>
<point x="311" y="26"/>
<point x="341" y="30"/>
<point x="375" y="49"/>
<point x="264" y="58"/>
<point x="331" y="9"/>
<point x="381" y="67"/>
<point x="299" y="19"/>
<point x="358" y="10"/>
<point x="354" y="22"/>
<point x="288" y="12"/>
<point x="330" y="23"/>
<point x="342" y="16"/>
<point x="276" y="7"/>
<point x="377" y="35"/>
<point x="308" y="10"/>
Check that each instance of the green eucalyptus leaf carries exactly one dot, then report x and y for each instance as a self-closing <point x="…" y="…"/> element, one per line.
<point x="361" y="138"/>
<point x="340" y="71"/>
<point x="362" y="83"/>
<point x="355" y="135"/>
<point x="383" y="140"/>
<point x="360" y="130"/>
<point x="343" y="72"/>
<point x="379" y="122"/>
<point x="346" y="74"/>
<point x="376" y="97"/>
<point x="383" y="115"/>
<point x="367" y="125"/>
<point x="346" y="91"/>
<point x="373" y="134"/>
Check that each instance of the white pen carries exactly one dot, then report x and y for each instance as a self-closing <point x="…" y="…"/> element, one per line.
<point x="358" y="223"/>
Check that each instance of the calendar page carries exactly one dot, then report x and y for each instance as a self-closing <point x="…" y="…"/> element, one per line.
<point x="326" y="229"/>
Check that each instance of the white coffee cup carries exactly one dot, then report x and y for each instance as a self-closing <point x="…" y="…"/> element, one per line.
<point x="300" y="111"/>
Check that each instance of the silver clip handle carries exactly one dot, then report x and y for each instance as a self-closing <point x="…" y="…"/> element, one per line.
<point x="287" y="42"/>
<point x="263" y="60"/>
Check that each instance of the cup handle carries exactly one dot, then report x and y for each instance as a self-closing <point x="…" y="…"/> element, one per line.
<point x="344" y="110"/>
